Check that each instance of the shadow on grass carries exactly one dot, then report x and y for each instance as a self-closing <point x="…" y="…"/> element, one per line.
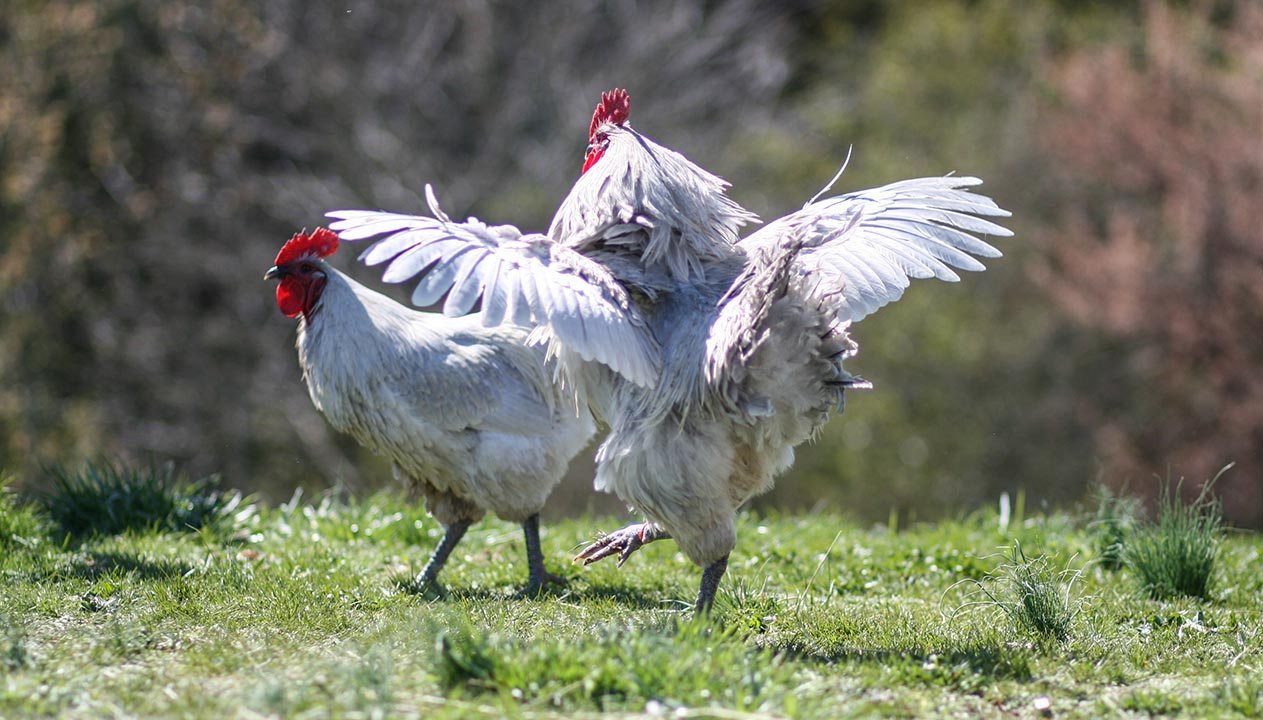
<point x="578" y="591"/>
<point x="632" y="598"/>
<point x="94" y="565"/>
<point x="984" y="660"/>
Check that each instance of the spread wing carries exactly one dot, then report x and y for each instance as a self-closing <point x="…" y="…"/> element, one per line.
<point x="863" y="247"/>
<point x="522" y="279"/>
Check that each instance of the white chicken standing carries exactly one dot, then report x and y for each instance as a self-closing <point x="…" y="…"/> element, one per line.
<point x="468" y="413"/>
<point x="710" y="356"/>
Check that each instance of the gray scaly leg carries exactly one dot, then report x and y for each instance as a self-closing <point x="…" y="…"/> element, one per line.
<point x="537" y="575"/>
<point x="451" y="537"/>
<point x="710" y="585"/>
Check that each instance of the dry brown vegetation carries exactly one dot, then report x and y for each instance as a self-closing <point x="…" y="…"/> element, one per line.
<point x="1157" y="243"/>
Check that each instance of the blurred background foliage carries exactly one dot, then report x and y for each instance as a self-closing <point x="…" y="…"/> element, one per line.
<point x="155" y="154"/>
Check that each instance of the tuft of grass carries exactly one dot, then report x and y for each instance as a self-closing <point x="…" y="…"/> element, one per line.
<point x="20" y="522"/>
<point x="1241" y="695"/>
<point x="13" y="650"/>
<point x="1175" y="554"/>
<point x="1152" y="702"/>
<point x="1115" y="517"/>
<point x="1033" y="596"/>
<point x="744" y="608"/>
<point x="107" y="498"/>
<point x="463" y="658"/>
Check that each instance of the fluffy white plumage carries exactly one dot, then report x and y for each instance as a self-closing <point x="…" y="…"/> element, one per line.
<point x="468" y="413"/>
<point x="750" y="334"/>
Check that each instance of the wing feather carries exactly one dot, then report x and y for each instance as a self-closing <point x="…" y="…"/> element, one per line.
<point x="862" y="248"/>
<point x="468" y="285"/>
<point x="495" y="300"/>
<point x="937" y="246"/>
<point x="390" y="248"/>
<point x="436" y="282"/>
<point x="522" y="279"/>
<point x="412" y="261"/>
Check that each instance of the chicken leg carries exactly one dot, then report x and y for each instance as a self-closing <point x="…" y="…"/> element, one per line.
<point x="537" y="575"/>
<point x="710" y="585"/>
<point x="628" y="540"/>
<point x="429" y="575"/>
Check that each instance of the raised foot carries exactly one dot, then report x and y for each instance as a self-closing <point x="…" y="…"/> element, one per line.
<point x="622" y="542"/>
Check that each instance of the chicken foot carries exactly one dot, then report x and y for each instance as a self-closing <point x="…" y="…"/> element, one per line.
<point x="624" y="542"/>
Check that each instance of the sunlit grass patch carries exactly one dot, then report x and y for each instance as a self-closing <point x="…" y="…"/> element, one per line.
<point x="695" y="663"/>
<point x="1152" y="702"/>
<point x="1241" y="695"/>
<point x="107" y="498"/>
<point x="296" y="614"/>
<point x="1175" y="553"/>
<point x="1114" y="519"/>
<point x="13" y="651"/>
<point x="21" y="524"/>
<point x="1035" y="598"/>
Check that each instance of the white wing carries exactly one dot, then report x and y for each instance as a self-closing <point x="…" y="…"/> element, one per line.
<point x="522" y="279"/>
<point x="866" y="245"/>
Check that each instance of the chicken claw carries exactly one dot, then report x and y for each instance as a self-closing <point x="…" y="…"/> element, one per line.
<point x="624" y="542"/>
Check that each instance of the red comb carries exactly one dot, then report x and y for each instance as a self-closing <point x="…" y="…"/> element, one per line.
<point x="322" y="242"/>
<point x="615" y="107"/>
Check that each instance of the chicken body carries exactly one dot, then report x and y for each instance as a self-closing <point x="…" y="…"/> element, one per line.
<point x="469" y="414"/>
<point x="751" y="352"/>
<point x="689" y="453"/>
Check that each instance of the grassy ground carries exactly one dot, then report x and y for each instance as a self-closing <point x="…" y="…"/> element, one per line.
<point x="296" y="611"/>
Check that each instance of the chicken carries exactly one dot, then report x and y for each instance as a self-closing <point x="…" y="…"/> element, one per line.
<point x="469" y="414"/>
<point x="710" y="356"/>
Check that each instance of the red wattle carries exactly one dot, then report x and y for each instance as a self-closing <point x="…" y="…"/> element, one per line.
<point x="591" y="159"/>
<point x="289" y="297"/>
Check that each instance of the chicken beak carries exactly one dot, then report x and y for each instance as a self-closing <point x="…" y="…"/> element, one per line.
<point x="273" y="273"/>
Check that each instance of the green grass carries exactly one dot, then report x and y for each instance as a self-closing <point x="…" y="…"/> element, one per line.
<point x="1032" y="596"/>
<point x="292" y="611"/>
<point x="106" y="498"/>
<point x="1175" y="554"/>
<point x="1115" y="518"/>
<point x="21" y="524"/>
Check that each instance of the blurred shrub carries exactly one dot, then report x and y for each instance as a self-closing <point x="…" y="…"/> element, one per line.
<point x="972" y="397"/>
<point x="1156" y="245"/>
